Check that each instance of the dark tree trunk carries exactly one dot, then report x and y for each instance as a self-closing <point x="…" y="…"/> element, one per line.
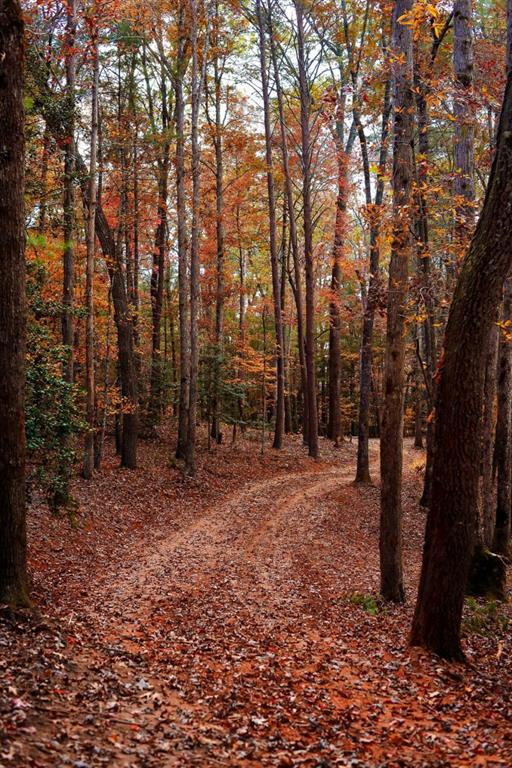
<point x="503" y="450"/>
<point x="198" y="77"/>
<point x="365" y="379"/>
<point x="450" y="532"/>
<point x="13" y="540"/>
<point x="155" y="404"/>
<point x="487" y="502"/>
<point x="276" y="288"/>
<point x="219" y="231"/>
<point x="296" y="282"/>
<point x="69" y="195"/>
<point x="334" y="414"/>
<point x="89" y="279"/>
<point x="392" y="587"/>
<point x="182" y="235"/>
<point x="305" y="107"/>
<point x="464" y="187"/>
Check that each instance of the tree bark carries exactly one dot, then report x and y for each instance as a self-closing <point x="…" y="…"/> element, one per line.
<point x="450" y="532"/>
<point x="334" y="413"/>
<point x="274" y="263"/>
<point x="487" y="501"/>
<point x="182" y="234"/>
<point x="464" y="136"/>
<point x="292" y="224"/>
<point x="305" y="108"/>
<point x="155" y="404"/>
<point x="69" y="194"/>
<point x="392" y="587"/>
<point x="503" y="451"/>
<point x="13" y="538"/>
<point x="198" y="77"/>
<point x="365" y="379"/>
<point x="89" y="279"/>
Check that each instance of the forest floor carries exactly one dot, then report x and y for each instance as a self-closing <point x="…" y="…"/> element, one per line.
<point x="231" y="620"/>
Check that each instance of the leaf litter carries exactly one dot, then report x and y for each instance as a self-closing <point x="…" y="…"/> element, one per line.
<point x="233" y="620"/>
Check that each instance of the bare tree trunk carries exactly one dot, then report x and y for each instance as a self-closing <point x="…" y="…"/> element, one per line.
<point x="450" y="533"/>
<point x="198" y="76"/>
<point x="365" y="381"/>
<point x="392" y="587"/>
<point x="305" y="108"/>
<point x="503" y="454"/>
<point x="89" y="280"/>
<point x="69" y="195"/>
<point x="276" y="289"/>
<point x="297" y="283"/>
<point x="181" y="211"/>
<point x="219" y="229"/>
<point x="155" y="404"/>
<point x="464" y="137"/>
<point x="13" y="537"/>
<point x="334" y="414"/>
<point x="428" y="346"/>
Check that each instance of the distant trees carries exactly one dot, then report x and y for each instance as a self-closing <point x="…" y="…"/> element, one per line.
<point x="13" y="569"/>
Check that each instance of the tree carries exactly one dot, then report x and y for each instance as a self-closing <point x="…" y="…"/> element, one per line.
<point x="90" y="242"/>
<point x="69" y="192"/>
<point x="13" y="545"/>
<point x="276" y="289"/>
<point x="305" y="107"/>
<point x="392" y="587"/>
<point x="450" y="530"/>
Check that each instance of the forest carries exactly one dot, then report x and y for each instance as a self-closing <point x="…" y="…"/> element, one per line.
<point x="255" y="383"/>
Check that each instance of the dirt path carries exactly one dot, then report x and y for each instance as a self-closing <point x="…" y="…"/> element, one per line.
<point x="248" y="637"/>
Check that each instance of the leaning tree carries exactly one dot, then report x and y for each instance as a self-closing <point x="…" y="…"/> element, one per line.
<point x="451" y="521"/>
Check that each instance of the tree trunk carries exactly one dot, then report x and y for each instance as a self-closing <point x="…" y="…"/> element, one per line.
<point x="155" y="404"/>
<point x="365" y="379"/>
<point x="392" y="587"/>
<point x="13" y="540"/>
<point x="182" y="235"/>
<point x="487" y="501"/>
<point x="464" y="136"/>
<point x="334" y="414"/>
<point x="276" y="288"/>
<point x="219" y="231"/>
<point x="503" y="451"/>
<point x="69" y="195"/>
<point x="450" y="532"/>
<point x="198" y="76"/>
<point x="89" y="280"/>
<point x="292" y="223"/>
<point x="305" y="107"/>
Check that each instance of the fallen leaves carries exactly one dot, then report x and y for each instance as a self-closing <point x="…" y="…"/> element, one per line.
<point x="212" y="623"/>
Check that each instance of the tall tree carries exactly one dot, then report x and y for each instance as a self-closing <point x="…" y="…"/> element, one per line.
<point x="69" y="183"/>
<point x="155" y="404"/>
<point x="198" y="78"/>
<point x="392" y="587"/>
<point x="180" y="68"/>
<point x="464" y="136"/>
<point x="307" y="215"/>
<point x="13" y="544"/>
<point x="274" y="262"/>
<point x="450" y="531"/>
<point x="90" y="250"/>
<point x="295" y="281"/>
